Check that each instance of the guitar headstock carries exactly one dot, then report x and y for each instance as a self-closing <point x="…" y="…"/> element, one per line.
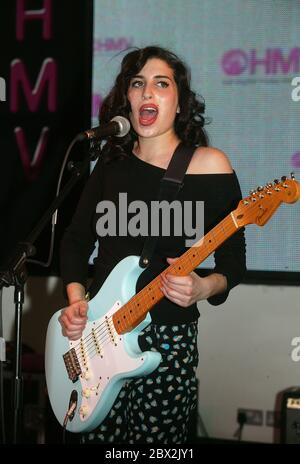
<point x="261" y="204"/>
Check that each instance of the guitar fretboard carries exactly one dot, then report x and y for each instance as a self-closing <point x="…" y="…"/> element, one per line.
<point x="136" y="309"/>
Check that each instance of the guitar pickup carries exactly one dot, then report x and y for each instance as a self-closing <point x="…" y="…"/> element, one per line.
<point x="72" y="365"/>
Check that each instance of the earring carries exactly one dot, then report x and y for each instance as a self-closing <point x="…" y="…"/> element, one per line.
<point x="178" y="110"/>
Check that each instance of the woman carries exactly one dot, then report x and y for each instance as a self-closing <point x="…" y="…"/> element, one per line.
<point x="153" y="91"/>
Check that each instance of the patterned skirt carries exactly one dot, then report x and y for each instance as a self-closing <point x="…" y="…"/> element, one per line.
<point x="156" y="408"/>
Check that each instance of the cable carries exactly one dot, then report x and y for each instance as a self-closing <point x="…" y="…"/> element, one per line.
<point x="241" y="419"/>
<point x="70" y="413"/>
<point x="68" y="416"/>
<point x="54" y="216"/>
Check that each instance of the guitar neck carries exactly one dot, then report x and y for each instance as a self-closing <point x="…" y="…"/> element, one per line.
<point x="136" y="309"/>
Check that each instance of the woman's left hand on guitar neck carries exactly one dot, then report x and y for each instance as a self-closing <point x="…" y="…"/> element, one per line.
<point x="186" y="290"/>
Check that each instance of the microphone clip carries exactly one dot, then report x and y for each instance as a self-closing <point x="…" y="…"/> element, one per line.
<point x="95" y="149"/>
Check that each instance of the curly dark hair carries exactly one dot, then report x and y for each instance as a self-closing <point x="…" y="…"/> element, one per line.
<point x="188" y="123"/>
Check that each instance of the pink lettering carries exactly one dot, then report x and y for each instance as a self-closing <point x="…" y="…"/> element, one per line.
<point x="44" y="14"/>
<point x="19" y="78"/>
<point x="265" y="62"/>
<point x="289" y="65"/>
<point x="110" y="44"/>
<point x="31" y="167"/>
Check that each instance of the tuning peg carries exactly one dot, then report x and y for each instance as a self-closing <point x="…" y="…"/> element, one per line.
<point x="260" y="188"/>
<point x="269" y="185"/>
<point x="293" y="175"/>
<point x="283" y="178"/>
<point x="276" y="181"/>
<point x="252" y="192"/>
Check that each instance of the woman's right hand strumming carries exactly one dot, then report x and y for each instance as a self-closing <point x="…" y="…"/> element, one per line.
<point x="73" y="318"/>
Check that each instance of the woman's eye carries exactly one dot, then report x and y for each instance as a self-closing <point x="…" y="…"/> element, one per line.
<point x="136" y="83"/>
<point x="163" y="84"/>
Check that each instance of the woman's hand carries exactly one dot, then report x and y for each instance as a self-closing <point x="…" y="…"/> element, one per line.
<point x="73" y="319"/>
<point x="186" y="290"/>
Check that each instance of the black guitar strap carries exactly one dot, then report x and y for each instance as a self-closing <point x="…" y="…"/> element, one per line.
<point x="170" y="185"/>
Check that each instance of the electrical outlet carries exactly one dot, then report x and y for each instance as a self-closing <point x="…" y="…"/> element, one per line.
<point x="273" y="419"/>
<point x="253" y="416"/>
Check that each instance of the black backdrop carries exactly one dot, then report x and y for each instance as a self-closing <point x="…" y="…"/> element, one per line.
<point x="62" y="47"/>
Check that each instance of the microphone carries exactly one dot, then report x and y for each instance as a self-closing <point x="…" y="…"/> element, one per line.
<point x="118" y="126"/>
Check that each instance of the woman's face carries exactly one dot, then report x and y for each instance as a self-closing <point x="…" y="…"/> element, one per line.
<point x="153" y="97"/>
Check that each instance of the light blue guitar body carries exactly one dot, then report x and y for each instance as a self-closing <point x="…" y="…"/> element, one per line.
<point x="102" y="358"/>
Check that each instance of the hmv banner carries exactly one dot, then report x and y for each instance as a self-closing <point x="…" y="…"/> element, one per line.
<point x="245" y="61"/>
<point x="44" y="103"/>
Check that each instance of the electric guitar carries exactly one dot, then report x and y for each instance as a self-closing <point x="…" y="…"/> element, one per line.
<point x="85" y="376"/>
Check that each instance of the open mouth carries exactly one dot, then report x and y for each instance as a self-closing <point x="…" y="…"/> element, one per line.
<point x="148" y="114"/>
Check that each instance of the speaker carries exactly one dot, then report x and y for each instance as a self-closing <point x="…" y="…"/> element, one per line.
<point x="290" y="416"/>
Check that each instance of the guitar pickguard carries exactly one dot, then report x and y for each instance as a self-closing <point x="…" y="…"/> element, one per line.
<point x="103" y="358"/>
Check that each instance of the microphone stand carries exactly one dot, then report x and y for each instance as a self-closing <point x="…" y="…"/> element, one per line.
<point x="16" y="275"/>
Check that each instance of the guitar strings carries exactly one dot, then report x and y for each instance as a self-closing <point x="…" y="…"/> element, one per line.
<point x="101" y="332"/>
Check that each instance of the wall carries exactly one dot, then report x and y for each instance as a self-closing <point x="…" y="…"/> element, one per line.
<point x="245" y="357"/>
<point x="43" y="297"/>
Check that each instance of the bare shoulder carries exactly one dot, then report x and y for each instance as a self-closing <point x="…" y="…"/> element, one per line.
<point x="209" y="160"/>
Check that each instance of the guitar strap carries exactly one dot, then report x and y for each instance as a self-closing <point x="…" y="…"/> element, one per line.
<point x="169" y="187"/>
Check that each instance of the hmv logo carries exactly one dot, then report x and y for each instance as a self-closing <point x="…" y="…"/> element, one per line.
<point x="2" y="90"/>
<point x="272" y="61"/>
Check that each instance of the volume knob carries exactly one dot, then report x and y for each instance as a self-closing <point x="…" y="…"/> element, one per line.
<point x="86" y="392"/>
<point x="84" y="410"/>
